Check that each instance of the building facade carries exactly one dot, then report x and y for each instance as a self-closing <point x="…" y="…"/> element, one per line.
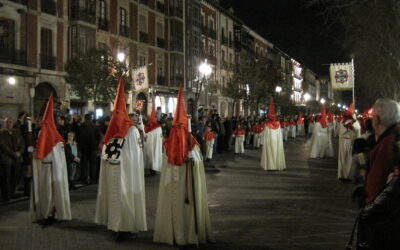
<point x="171" y="37"/>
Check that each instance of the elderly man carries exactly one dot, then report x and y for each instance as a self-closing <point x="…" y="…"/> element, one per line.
<point x="11" y="149"/>
<point x="386" y="113"/>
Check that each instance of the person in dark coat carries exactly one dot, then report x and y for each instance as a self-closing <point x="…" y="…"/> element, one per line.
<point x="11" y="155"/>
<point x="88" y="142"/>
<point x="228" y="134"/>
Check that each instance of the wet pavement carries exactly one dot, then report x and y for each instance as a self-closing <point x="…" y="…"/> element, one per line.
<point x="302" y="207"/>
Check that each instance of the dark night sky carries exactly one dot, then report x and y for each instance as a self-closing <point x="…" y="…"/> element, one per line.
<point x="298" y="31"/>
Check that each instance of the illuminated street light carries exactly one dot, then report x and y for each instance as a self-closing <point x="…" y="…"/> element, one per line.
<point x="307" y="97"/>
<point x="339" y="105"/>
<point x="322" y="101"/>
<point x="205" y="68"/>
<point x="121" y="56"/>
<point x="11" y="80"/>
<point x="278" y="89"/>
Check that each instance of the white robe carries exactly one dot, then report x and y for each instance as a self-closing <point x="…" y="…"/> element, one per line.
<point x="262" y="138"/>
<point x="152" y="148"/>
<point x="310" y="127"/>
<point x="285" y="132"/>
<point x="121" y="193"/>
<point x="175" y="221"/>
<point x="300" y="130"/>
<point x="292" y="131"/>
<point x="257" y="140"/>
<point x="50" y="186"/>
<point x="345" y="157"/>
<point x="239" y="147"/>
<point x="209" y="148"/>
<point x="272" y="153"/>
<point x="320" y="142"/>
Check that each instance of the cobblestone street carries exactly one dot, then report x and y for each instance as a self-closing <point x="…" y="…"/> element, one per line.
<point x="303" y="207"/>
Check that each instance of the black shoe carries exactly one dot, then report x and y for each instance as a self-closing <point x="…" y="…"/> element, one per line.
<point x="122" y="236"/>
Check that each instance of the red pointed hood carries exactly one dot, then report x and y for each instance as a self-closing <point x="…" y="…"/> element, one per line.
<point x="271" y="110"/>
<point x="177" y="146"/>
<point x="48" y="136"/>
<point x="120" y="122"/>
<point x="152" y="123"/>
<point x="350" y="111"/>
<point x="322" y="118"/>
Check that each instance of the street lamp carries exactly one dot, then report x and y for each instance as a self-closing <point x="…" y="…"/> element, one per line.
<point x="339" y="105"/>
<point x="278" y="89"/>
<point x="11" y="80"/>
<point x="322" y="101"/>
<point x="205" y="69"/>
<point x="307" y="97"/>
<point x="121" y="56"/>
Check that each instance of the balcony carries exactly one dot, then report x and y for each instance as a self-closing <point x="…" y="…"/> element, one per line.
<point x="176" y="80"/>
<point x="208" y="32"/>
<point x="160" y="42"/>
<point x="48" y="6"/>
<point x="224" y="40"/>
<point x="23" y="2"/>
<point x="176" y="12"/>
<point x="161" y="80"/>
<point x="231" y="43"/>
<point x="13" y="56"/>
<point x="124" y="30"/>
<point x="145" y="2"/>
<point x="143" y="37"/>
<point x="103" y="24"/>
<point x="47" y="62"/>
<point x="160" y="7"/>
<point x="224" y="65"/>
<point x="176" y="46"/>
<point x="83" y="14"/>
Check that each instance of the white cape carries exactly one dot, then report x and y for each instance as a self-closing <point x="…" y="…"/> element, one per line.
<point x="121" y="194"/>
<point x="272" y="153"/>
<point x="321" y="146"/>
<point x="174" y="218"/>
<point x="153" y="149"/>
<point x="50" y="186"/>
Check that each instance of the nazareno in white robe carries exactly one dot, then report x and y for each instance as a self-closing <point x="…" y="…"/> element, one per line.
<point x="292" y="131"/>
<point x="121" y="193"/>
<point x="50" y="186"/>
<point x="152" y="148"/>
<point x="345" y="157"/>
<point x="272" y="153"/>
<point x="300" y="129"/>
<point x="320" y="142"/>
<point x="311" y="127"/>
<point x="239" y="147"/>
<point x="257" y="140"/>
<point x="285" y="131"/>
<point x="209" y="148"/>
<point x="174" y="218"/>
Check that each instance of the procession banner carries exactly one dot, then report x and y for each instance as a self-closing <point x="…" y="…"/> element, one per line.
<point x="140" y="78"/>
<point x="342" y="76"/>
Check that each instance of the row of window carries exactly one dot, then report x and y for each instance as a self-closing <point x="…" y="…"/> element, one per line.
<point x="9" y="53"/>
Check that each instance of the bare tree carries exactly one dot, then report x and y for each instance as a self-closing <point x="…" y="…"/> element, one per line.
<point x="370" y="30"/>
